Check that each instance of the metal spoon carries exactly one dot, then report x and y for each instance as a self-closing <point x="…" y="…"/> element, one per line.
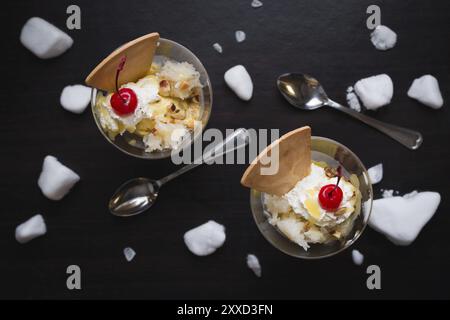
<point x="305" y="92"/>
<point x="138" y="195"/>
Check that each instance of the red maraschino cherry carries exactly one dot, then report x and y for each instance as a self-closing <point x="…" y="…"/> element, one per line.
<point x="123" y="101"/>
<point x="330" y="196"/>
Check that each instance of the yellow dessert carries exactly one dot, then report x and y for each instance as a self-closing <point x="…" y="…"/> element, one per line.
<point x="168" y="107"/>
<point x="299" y="215"/>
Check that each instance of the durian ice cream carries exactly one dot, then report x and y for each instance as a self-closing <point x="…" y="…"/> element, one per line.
<point x="299" y="216"/>
<point x="167" y="111"/>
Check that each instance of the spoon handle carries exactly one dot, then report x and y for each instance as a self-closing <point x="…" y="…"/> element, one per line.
<point x="236" y="140"/>
<point x="409" y="138"/>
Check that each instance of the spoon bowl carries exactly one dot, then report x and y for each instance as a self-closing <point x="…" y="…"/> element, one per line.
<point x="134" y="197"/>
<point x="302" y="91"/>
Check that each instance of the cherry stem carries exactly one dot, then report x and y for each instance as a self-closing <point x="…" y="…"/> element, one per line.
<point x="119" y="69"/>
<point x="339" y="175"/>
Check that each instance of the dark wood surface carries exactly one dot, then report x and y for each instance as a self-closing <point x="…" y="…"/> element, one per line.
<point x="327" y="39"/>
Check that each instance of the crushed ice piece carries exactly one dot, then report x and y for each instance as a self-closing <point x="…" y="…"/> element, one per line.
<point x="257" y="4"/>
<point x="44" y="39"/>
<point x="56" y="179"/>
<point x="376" y="173"/>
<point x="75" y="98"/>
<point x="238" y="79"/>
<point x="375" y="91"/>
<point x="30" y="229"/>
<point x="254" y="265"/>
<point x="352" y="100"/>
<point x="401" y="219"/>
<point x="240" y="35"/>
<point x="358" y="257"/>
<point x="129" y="253"/>
<point x="217" y="47"/>
<point x="205" y="239"/>
<point x="426" y="90"/>
<point x="387" y="193"/>
<point x="383" y="38"/>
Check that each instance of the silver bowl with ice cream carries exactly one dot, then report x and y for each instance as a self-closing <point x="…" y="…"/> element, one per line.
<point x="287" y="232"/>
<point x="147" y="145"/>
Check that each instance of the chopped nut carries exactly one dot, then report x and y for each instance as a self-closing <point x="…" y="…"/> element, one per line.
<point x="330" y="172"/>
<point x="337" y="234"/>
<point x="307" y="226"/>
<point x="196" y="99"/>
<point x="176" y="112"/>
<point x="190" y="123"/>
<point x="164" y="88"/>
<point x="341" y="211"/>
<point x="184" y="85"/>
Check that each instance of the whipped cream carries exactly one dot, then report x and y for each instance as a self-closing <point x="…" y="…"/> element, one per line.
<point x="303" y="198"/>
<point x="170" y="136"/>
<point x="299" y="216"/>
<point x="146" y="90"/>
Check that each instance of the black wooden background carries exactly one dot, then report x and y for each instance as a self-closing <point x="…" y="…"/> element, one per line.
<point x="327" y="39"/>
